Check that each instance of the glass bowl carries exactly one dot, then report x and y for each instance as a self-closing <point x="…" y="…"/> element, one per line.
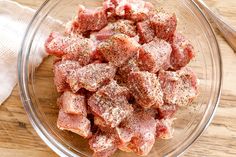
<point x="39" y="95"/>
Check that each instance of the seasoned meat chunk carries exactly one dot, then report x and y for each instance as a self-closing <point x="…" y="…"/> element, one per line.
<point x="112" y="110"/>
<point x="91" y="19"/>
<point x="146" y="89"/>
<point x="154" y="55"/>
<point x="70" y="47"/>
<point x="180" y="87"/>
<point x="164" y="128"/>
<point x="182" y="52"/>
<point x="61" y="70"/>
<point x="136" y="10"/>
<point x="164" y="25"/>
<point x="121" y="26"/>
<point x="167" y="111"/>
<point x="145" y="31"/>
<point x="73" y="103"/>
<point x="128" y="67"/>
<point x="118" y="49"/>
<point x="137" y="133"/>
<point x="74" y="123"/>
<point x="103" y="144"/>
<point x="91" y="77"/>
<point x="114" y="90"/>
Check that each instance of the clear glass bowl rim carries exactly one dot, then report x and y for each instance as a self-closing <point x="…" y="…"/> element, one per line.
<point x="43" y="133"/>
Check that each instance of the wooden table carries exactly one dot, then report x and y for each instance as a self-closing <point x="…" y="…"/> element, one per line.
<point x="18" y="138"/>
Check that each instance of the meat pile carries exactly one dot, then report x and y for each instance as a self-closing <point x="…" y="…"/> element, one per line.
<point x="122" y="75"/>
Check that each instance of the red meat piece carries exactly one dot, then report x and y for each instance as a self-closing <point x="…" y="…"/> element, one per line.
<point x="103" y="144"/>
<point x="164" y="129"/>
<point x="118" y="49"/>
<point x="180" y="87"/>
<point x="74" y="123"/>
<point x="154" y="55"/>
<point x="128" y="67"/>
<point x="62" y="69"/>
<point x="121" y="26"/>
<point x="145" y="31"/>
<point x="70" y="47"/>
<point x="146" y="89"/>
<point x="112" y="110"/>
<point x="167" y="111"/>
<point x="136" y="10"/>
<point x="91" y="76"/>
<point x="137" y="133"/>
<point x="91" y="19"/>
<point x="73" y="103"/>
<point x="113" y="90"/>
<point x="182" y="52"/>
<point x="164" y="25"/>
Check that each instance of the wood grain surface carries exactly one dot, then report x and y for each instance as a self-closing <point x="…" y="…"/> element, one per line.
<point x="18" y="138"/>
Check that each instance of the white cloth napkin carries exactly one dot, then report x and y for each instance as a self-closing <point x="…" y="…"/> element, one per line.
<point x="14" y="19"/>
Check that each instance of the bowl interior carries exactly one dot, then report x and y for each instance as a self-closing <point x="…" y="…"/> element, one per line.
<point x="39" y="93"/>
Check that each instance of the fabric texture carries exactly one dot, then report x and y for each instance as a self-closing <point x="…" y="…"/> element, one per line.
<point x="14" y="19"/>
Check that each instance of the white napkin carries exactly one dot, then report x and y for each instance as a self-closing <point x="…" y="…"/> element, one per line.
<point x="14" y="19"/>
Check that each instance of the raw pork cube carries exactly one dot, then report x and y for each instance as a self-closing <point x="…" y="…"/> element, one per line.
<point x="182" y="52"/>
<point x="121" y="26"/>
<point x="91" y="19"/>
<point x="136" y="10"/>
<point x="73" y="103"/>
<point x="154" y="55"/>
<point x="167" y="111"/>
<point x="180" y="87"/>
<point x="113" y="90"/>
<point x="146" y="89"/>
<point x="128" y="67"/>
<point x="103" y="144"/>
<point x="164" y="128"/>
<point x="62" y="69"/>
<point x="110" y="104"/>
<point x="74" y="123"/>
<point x="145" y="31"/>
<point x="137" y="133"/>
<point x="164" y="25"/>
<point x="118" y="49"/>
<point x="91" y="76"/>
<point x="152" y="112"/>
<point x="112" y="110"/>
<point x="70" y="47"/>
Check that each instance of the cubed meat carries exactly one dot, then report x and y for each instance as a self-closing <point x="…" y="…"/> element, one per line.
<point x="91" y="76"/>
<point x="91" y="19"/>
<point x="152" y="112"/>
<point x="70" y="47"/>
<point x="145" y="31"/>
<point x="146" y="89"/>
<point x="164" y="128"/>
<point x="137" y="133"/>
<point x="113" y="90"/>
<point x="118" y="49"/>
<point x="154" y="55"/>
<point x="73" y="103"/>
<point x="112" y="110"/>
<point x="74" y="123"/>
<point x="103" y="144"/>
<point x="121" y="26"/>
<point x="128" y="67"/>
<point x="136" y="10"/>
<point x="61" y="70"/>
<point x="182" y="52"/>
<point x="167" y="111"/>
<point x="164" y="25"/>
<point x="180" y="87"/>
